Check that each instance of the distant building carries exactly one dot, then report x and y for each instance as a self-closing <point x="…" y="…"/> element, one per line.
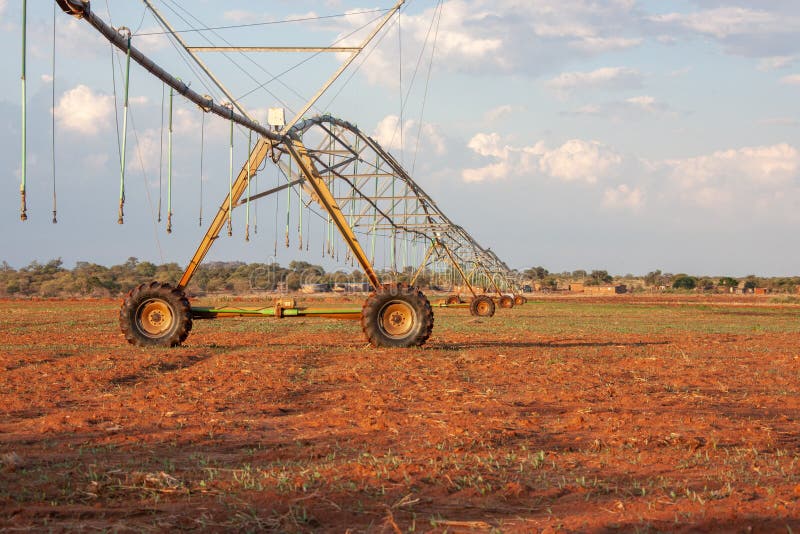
<point x="315" y="288"/>
<point x="576" y="287"/>
<point x="352" y="287"/>
<point x="606" y="290"/>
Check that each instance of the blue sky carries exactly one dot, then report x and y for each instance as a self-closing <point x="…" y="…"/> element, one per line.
<point x="622" y="135"/>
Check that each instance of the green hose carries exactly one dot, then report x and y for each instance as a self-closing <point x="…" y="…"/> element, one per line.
<point x="121" y="214"/>
<point x="169" y="165"/>
<point x="23" y="210"/>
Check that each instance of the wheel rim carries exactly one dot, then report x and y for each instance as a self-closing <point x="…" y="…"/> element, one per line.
<point x="154" y="317"/>
<point x="397" y="319"/>
<point x="483" y="307"/>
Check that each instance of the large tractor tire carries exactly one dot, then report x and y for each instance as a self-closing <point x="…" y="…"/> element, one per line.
<point x="506" y="301"/>
<point x="519" y="300"/>
<point x="397" y="316"/>
<point x="481" y="306"/>
<point x="155" y="314"/>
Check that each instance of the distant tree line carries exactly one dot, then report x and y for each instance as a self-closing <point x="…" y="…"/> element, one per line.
<point x="52" y="279"/>
<point x="661" y="281"/>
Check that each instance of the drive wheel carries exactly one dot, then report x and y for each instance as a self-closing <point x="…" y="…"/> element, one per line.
<point x="454" y="299"/>
<point x="481" y="306"/>
<point x="506" y="301"/>
<point x="155" y="314"/>
<point x="397" y="316"/>
<point x="519" y="300"/>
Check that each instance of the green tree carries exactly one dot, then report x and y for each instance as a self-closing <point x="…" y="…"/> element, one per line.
<point x="683" y="281"/>
<point x="536" y="273"/>
<point x="551" y="282"/>
<point x="706" y="284"/>
<point x="597" y="278"/>
<point x="729" y="282"/>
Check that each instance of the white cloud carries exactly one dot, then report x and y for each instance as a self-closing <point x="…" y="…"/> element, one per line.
<point x="488" y="145"/>
<point x="764" y="30"/>
<point x="745" y="168"/>
<point x="486" y="37"/>
<point x="578" y="160"/>
<point x="793" y="79"/>
<point x="249" y="17"/>
<point x="624" y="196"/>
<point x="645" y="103"/>
<point x="146" y="149"/>
<point x="185" y="121"/>
<point x="723" y="22"/>
<point x="605" y="44"/>
<point x="575" y="160"/>
<point x="633" y="108"/>
<point x="679" y="73"/>
<point x="387" y="134"/>
<point x="589" y="110"/>
<point x="775" y="63"/>
<point x="780" y="121"/>
<point x="494" y="171"/>
<point x="734" y="182"/>
<point x="96" y="162"/>
<point x="604" y="78"/>
<point x="149" y="44"/>
<point x="499" y="112"/>
<point x="46" y="78"/>
<point x="82" y="110"/>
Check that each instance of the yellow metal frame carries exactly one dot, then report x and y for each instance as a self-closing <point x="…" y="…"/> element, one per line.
<point x="238" y="188"/>
<point x="434" y="245"/>
<point x="299" y="154"/>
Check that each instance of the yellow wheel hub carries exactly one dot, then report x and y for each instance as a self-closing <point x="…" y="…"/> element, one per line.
<point x="483" y="307"/>
<point x="155" y="317"/>
<point x="397" y="319"/>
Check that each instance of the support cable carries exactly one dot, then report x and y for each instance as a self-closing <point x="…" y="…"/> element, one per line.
<point x="312" y="56"/>
<point x="427" y="84"/>
<point x="146" y="184"/>
<point x="269" y="23"/>
<point x="364" y="58"/>
<point x="136" y="137"/>
<point x="245" y="71"/>
<point x="400" y="82"/>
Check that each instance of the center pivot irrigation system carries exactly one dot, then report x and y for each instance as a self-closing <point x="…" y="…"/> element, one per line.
<point x="364" y="193"/>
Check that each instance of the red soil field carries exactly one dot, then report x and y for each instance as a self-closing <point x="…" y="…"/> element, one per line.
<point x="630" y="414"/>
